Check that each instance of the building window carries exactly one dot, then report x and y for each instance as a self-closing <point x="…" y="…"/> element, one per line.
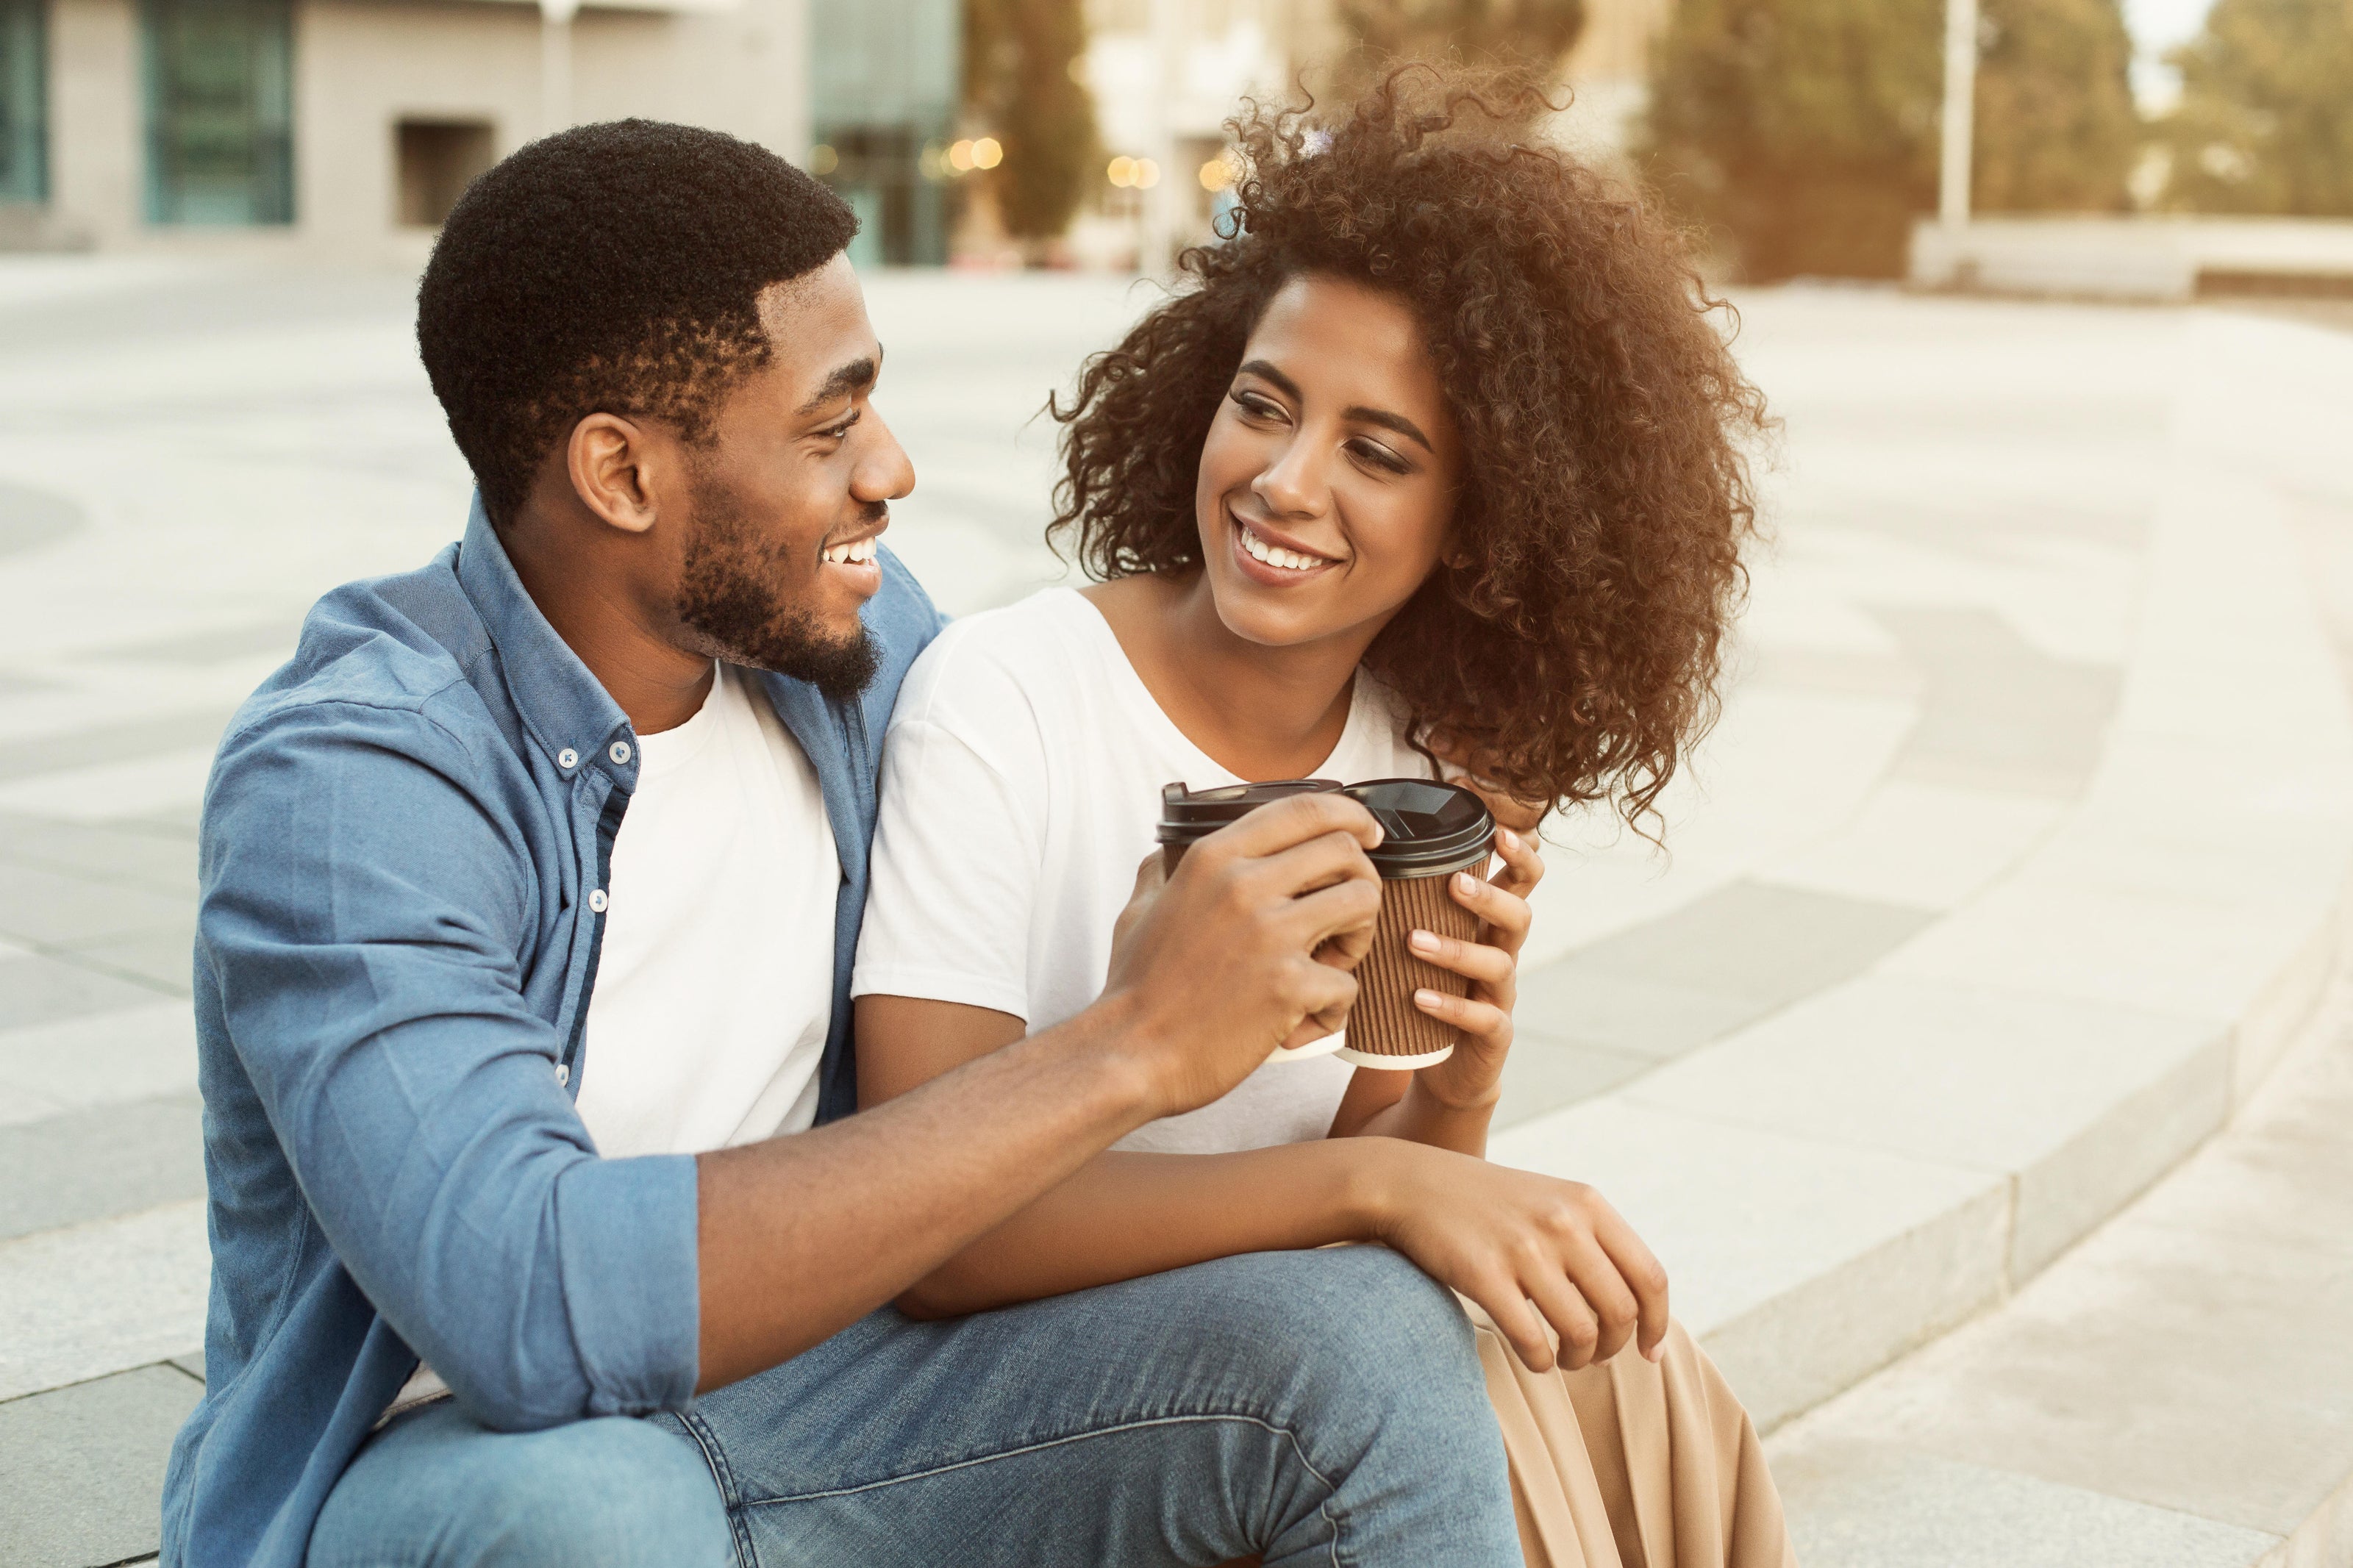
<point x="437" y="159"/>
<point x="220" y="113"/>
<point x="885" y="75"/>
<point x="24" y="102"/>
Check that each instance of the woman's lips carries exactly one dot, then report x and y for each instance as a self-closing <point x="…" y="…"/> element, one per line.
<point x="1273" y="572"/>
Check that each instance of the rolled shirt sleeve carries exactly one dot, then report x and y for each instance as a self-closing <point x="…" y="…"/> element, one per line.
<point x="368" y="911"/>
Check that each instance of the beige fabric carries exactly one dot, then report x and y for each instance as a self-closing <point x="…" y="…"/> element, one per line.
<point x="1633" y="1464"/>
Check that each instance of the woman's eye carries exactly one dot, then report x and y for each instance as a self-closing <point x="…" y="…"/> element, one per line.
<point x="1380" y="456"/>
<point x="1256" y="406"/>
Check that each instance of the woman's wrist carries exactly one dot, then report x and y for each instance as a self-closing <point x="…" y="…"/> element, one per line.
<point x="1379" y="1177"/>
<point x="1426" y="1098"/>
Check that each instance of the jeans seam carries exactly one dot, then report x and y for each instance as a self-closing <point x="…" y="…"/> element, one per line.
<point x="1285" y="1433"/>
<point x="714" y="1457"/>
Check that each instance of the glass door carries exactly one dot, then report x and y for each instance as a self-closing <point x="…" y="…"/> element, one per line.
<point x="24" y="101"/>
<point x="219" y="111"/>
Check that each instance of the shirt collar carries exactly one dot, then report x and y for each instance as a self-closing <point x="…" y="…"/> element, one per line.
<point x="567" y="710"/>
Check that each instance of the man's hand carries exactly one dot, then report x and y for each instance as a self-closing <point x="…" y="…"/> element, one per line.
<point x="1534" y="1251"/>
<point x="1216" y="966"/>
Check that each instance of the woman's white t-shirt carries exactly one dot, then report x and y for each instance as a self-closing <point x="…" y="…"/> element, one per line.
<point x="1021" y="784"/>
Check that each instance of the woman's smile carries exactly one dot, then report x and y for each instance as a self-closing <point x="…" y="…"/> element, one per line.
<point x="1269" y="556"/>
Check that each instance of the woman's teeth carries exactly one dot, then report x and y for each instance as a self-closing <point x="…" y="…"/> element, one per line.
<point x="857" y="552"/>
<point x="1275" y="555"/>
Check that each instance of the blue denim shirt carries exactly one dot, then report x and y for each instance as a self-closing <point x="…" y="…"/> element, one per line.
<point x="395" y="952"/>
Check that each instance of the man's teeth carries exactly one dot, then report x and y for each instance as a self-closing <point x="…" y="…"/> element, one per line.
<point x="1275" y="555"/>
<point x="858" y="551"/>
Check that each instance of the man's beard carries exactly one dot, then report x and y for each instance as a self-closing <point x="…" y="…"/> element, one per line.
<point x="731" y="592"/>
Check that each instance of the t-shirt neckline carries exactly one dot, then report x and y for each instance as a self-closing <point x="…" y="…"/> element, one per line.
<point x="1123" y="674"/>
<point x="667" y="751"/>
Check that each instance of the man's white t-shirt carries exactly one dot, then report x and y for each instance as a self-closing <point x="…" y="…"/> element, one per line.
<point x="714" y="982"/>
<point x="714" y="979"/>
<point x="1021" y="784"/>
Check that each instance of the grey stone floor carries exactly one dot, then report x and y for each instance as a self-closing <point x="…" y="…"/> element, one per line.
<point x="190" y="453"/>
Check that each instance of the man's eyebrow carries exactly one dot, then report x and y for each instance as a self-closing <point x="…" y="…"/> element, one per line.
<point x="1380" y="416"/>
<point x="856" y="376"/>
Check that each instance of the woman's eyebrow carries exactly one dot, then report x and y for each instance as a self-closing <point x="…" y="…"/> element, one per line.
<point x="1265" y="372"/>
<point x="1380" y="416"/>
<point x="1388" y="421"/>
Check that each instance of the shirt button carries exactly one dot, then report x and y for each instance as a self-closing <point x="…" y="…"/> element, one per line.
<point x="568" y="759"/>
<point x="562" y="1074"/>
<point x="597" y="900"/>
<point x="619" y="754"/>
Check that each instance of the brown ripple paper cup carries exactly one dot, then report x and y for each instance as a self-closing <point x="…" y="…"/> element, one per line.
<point x="1385" y="1028"/>
<point x="1431" y="831"/>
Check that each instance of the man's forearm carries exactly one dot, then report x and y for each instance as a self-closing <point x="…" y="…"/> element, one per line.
<point x="800" y="1236"/>
<point x="1123" y="1216"/>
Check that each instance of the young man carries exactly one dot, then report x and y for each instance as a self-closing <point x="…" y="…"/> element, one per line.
<point x="530" y="889"/>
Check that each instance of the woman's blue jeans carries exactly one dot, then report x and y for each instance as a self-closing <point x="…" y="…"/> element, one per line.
<point x="1314" y="1407"/>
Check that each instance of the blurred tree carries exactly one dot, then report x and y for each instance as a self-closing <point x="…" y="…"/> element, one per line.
<point x="1803" y="133"/>
<point x="2056" y="128"/>
<point x="1529" y="35"/>
<point x="2265" y="120"/>
<point x="1021" y="78"/>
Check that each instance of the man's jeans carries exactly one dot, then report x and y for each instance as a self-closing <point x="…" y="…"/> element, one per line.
<point x="1316" y="1408"/>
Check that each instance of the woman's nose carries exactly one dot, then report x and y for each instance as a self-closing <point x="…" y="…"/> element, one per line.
<point x="1292" y="485"/>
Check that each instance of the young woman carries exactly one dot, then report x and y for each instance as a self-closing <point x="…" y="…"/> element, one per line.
<point x="1436" y="465"/>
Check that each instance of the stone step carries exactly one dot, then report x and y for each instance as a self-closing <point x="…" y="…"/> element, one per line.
<point x="2178" y="1389"/>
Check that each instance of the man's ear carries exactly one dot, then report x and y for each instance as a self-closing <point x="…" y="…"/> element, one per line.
<point x="610" y="461"/>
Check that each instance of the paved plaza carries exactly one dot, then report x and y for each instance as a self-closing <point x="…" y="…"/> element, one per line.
<point x="2010" y="879"/>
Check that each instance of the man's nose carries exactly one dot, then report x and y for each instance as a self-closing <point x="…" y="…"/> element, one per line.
<point x="883" y="471"/>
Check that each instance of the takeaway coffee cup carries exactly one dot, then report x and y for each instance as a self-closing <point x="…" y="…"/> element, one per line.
<point x="1188" y="815"/>
<point x="1430" y="831"/>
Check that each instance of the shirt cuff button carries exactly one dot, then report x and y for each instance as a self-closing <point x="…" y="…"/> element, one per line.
<point x="597" y="900"/>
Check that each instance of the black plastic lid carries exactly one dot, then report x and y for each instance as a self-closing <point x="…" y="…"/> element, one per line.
<point x="1186" y="815"/>
<point x="1428" y="828"/>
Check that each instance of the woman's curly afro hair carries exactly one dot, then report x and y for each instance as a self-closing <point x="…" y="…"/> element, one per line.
<point x="1568" y="648"/>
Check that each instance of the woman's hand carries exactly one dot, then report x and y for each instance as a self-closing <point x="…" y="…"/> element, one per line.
<point x="1535" y="1252"/>
<point x="1471" y="1078"/>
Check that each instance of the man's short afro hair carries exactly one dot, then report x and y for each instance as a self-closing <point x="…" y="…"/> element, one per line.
<point x="612" y="269"/>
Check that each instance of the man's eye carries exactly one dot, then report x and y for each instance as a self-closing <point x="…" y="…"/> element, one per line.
<point x="837" y="432"/>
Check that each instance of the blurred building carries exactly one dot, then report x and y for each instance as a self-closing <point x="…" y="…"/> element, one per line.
<point x="348" y="127"/>
<point x="885" y="82"/>
<point x="1166" y="74"/>
<point x="1608" y="74"/>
